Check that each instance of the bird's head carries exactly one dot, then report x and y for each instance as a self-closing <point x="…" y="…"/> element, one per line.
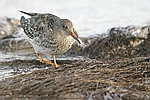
<point x="65" y="27"/>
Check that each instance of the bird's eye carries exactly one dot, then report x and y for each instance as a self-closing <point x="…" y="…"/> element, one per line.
<point x="64" y="26"/>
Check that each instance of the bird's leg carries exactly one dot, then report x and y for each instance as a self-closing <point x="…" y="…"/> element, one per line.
<point x="55" y="64"/>
<point x="43" y="60"/>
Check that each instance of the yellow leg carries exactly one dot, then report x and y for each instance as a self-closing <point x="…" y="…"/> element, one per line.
<point x="43" y="61"/>
<point x="55" y="64"/>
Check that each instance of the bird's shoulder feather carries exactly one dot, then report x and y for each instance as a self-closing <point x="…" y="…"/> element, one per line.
<point x="37" y="24"/>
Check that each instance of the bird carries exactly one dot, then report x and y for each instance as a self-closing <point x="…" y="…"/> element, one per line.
<point x="48" y="34"/>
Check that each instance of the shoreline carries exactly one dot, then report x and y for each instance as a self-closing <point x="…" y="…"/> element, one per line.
<point x="111" y="65"/>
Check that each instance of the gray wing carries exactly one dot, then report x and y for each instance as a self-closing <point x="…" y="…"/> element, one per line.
<point x="37" y="24"/>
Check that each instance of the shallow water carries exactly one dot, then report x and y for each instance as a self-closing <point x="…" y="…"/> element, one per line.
<point x="89" y="16"/>
<point x="12" y="64"/>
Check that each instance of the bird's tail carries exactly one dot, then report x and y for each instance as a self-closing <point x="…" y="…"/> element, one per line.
<point x="30" y="14"/>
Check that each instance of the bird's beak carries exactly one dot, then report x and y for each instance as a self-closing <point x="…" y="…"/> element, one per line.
<point x="74" y="36"/>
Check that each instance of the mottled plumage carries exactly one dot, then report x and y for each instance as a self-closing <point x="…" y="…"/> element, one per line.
<point x="48" y="34"/>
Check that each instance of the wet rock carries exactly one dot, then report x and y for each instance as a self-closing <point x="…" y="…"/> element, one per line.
<point x="7" y="26"/>
<point x="120" y="68"/>
<point x="120" y="43"/>
<point x="15" y="44"/>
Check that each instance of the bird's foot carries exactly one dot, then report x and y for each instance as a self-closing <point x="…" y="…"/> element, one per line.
<point x="43" y="60"/>
<point x="49" y="62"/>
<point x="46" y="61"/>
<point x="55" y="65"/>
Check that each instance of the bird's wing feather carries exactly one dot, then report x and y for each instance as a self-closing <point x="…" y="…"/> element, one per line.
<point x="37" y="24"/>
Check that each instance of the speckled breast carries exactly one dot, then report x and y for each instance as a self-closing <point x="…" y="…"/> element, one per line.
<point x="57" y="47"/>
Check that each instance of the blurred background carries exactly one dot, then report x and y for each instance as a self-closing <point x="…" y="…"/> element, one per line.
<point x="89" y="16"/>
